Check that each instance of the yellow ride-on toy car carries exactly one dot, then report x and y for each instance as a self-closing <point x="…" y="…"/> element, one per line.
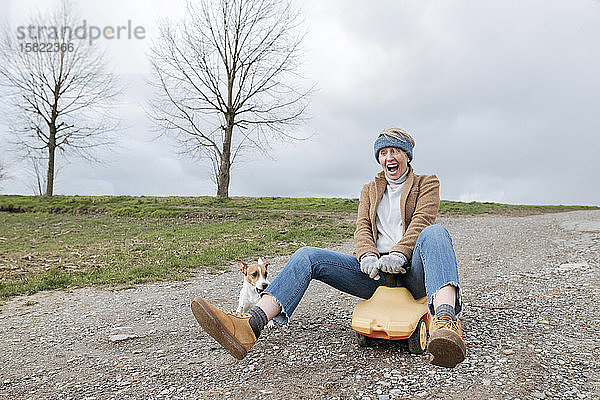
<point x="392" y="313"/>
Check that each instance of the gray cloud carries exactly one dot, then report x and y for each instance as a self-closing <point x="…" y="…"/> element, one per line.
<point x="500" y="97"/>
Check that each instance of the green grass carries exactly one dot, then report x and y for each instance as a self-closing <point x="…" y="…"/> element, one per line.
<point x="168" y="206"/>
<point x="180" y="206"/>
<point x="475" y="208"/>
<point x="67" y="241"/>
<point x="43" y="250"/>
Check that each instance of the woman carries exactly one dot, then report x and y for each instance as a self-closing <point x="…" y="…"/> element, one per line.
<point x="395" y="238"/>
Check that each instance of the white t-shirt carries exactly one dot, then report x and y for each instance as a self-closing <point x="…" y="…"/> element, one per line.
<point x="389" y="220"/>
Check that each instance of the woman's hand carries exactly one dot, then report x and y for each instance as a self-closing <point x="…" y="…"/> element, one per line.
<point x="393" y="263"/>
<point x="369" y="264"/>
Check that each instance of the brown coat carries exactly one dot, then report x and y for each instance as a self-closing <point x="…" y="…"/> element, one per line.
<point x="419" y="205"/>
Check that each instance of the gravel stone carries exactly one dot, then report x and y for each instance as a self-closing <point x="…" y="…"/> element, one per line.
<point x="529" y="321"/>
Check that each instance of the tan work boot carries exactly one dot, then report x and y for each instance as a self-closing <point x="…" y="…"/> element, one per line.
<point x="446" y="343"/>
<point x="231" y="330"/>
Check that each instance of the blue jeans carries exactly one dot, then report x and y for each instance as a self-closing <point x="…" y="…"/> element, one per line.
<point x="433" y="266"/>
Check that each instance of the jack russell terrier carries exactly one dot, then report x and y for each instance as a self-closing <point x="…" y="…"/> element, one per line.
<point x="255" y="282"/>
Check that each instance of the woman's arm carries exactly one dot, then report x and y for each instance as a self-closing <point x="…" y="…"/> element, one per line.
<point x="426" y="209"/>
<point x="364" y="238"/>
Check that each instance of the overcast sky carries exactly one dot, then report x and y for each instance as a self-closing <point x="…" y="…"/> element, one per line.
<point x="502" y="98"/>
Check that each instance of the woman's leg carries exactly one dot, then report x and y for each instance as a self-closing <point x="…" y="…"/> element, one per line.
<point x="270" y="306"/>
<point x="433" y="270"/>
<point x="446" y="295"/>
<point x="341" y="271"/>
<point x="237" y="333"/>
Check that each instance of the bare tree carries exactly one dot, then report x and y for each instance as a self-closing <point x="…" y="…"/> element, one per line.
<point x="59" y="90"/>
<point x="37" y="183"/>
<point x="227" y="79"/>
<point x="3" y="174"/>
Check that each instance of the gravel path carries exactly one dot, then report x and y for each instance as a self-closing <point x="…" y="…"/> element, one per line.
<point x="530" y="327"/>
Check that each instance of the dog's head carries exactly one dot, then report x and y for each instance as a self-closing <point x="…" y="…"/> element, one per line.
<point x="255" y="274"/>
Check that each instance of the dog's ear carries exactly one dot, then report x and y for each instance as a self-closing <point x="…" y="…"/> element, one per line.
<point x="243" y="266"/>
<point x="260" y="261"/>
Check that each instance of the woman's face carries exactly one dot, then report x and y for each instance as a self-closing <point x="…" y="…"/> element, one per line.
<point x="393" y="161"/>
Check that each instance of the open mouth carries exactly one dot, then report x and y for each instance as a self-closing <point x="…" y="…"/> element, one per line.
<point x="392" y="168"/>
<point x="260" y="290"/>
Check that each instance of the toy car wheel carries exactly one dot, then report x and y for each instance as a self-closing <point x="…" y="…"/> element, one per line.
<point x="417" y="342"/>
<point x="363" y="341"/>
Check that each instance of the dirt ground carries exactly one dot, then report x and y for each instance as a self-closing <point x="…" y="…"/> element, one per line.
<point x="530" y="321"/>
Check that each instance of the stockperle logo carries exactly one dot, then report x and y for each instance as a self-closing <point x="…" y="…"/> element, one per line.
<point x="84" y="31"/>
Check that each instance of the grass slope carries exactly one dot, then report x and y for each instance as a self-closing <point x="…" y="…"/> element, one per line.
<point x="65" y="241"/>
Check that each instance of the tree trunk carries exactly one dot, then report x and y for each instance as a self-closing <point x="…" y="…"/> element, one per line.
<point x="223" y="179"/>
<point x="51" y="152"/>
<point x="225" y="167"/>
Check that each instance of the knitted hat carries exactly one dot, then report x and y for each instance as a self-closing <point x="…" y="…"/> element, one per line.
<point x="394" y="137"/>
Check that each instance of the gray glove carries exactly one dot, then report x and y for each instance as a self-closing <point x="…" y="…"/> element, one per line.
<point x="369" y="264"/>
<point x="393" y="263"/>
